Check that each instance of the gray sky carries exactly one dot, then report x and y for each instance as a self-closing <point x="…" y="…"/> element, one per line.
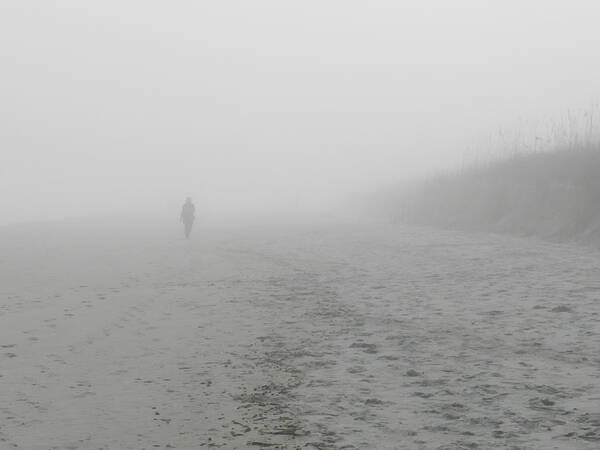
<point x="251" y="105"/>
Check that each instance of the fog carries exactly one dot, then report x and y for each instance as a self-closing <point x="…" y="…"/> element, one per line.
<point x="123" y="107"/>
<point x="357" y="269"/>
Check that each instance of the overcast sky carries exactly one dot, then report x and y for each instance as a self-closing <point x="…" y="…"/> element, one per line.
<point x="249" y="105"/>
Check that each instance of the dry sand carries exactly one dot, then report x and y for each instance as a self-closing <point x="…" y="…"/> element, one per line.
<point x="349" y="336"/>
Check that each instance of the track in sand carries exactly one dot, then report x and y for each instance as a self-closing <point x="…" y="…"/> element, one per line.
<point x="346" y="336"/>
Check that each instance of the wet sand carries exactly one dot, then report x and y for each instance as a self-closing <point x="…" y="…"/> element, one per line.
<point x="365" y="336"/>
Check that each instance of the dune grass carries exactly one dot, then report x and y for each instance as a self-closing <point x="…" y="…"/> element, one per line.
<point x="554" y="195"/>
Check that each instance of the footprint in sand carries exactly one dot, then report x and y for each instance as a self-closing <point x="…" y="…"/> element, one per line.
<point x="56" y="358"/>
<point x="561" y="309"/>
<point x="367" y="348"/>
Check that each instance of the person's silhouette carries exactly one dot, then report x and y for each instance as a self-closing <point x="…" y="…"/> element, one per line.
<point x="187" y="216"/>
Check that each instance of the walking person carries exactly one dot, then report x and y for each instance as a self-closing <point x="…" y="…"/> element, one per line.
<point x="187" y="216"/>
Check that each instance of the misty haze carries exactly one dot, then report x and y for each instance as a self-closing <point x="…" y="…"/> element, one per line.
<point x="300" y="225"/>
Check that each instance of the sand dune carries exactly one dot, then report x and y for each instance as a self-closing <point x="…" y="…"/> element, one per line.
<point x="553" y="195"/>
<point x="347" y="336"/>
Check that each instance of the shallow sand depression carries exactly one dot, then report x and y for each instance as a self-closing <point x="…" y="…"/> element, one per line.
<point x="365" y="336"/>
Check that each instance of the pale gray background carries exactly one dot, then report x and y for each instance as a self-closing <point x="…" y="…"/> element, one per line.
<point x="258" y="106"/>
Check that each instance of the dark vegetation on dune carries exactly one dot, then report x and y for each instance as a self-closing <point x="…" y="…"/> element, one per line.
<point x="553" y="195"/>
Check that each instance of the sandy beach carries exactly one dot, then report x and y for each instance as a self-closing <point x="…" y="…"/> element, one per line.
<point x="324" y="336"/>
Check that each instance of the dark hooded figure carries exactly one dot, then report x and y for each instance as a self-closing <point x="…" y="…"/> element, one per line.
<point x="187" y="216"/>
